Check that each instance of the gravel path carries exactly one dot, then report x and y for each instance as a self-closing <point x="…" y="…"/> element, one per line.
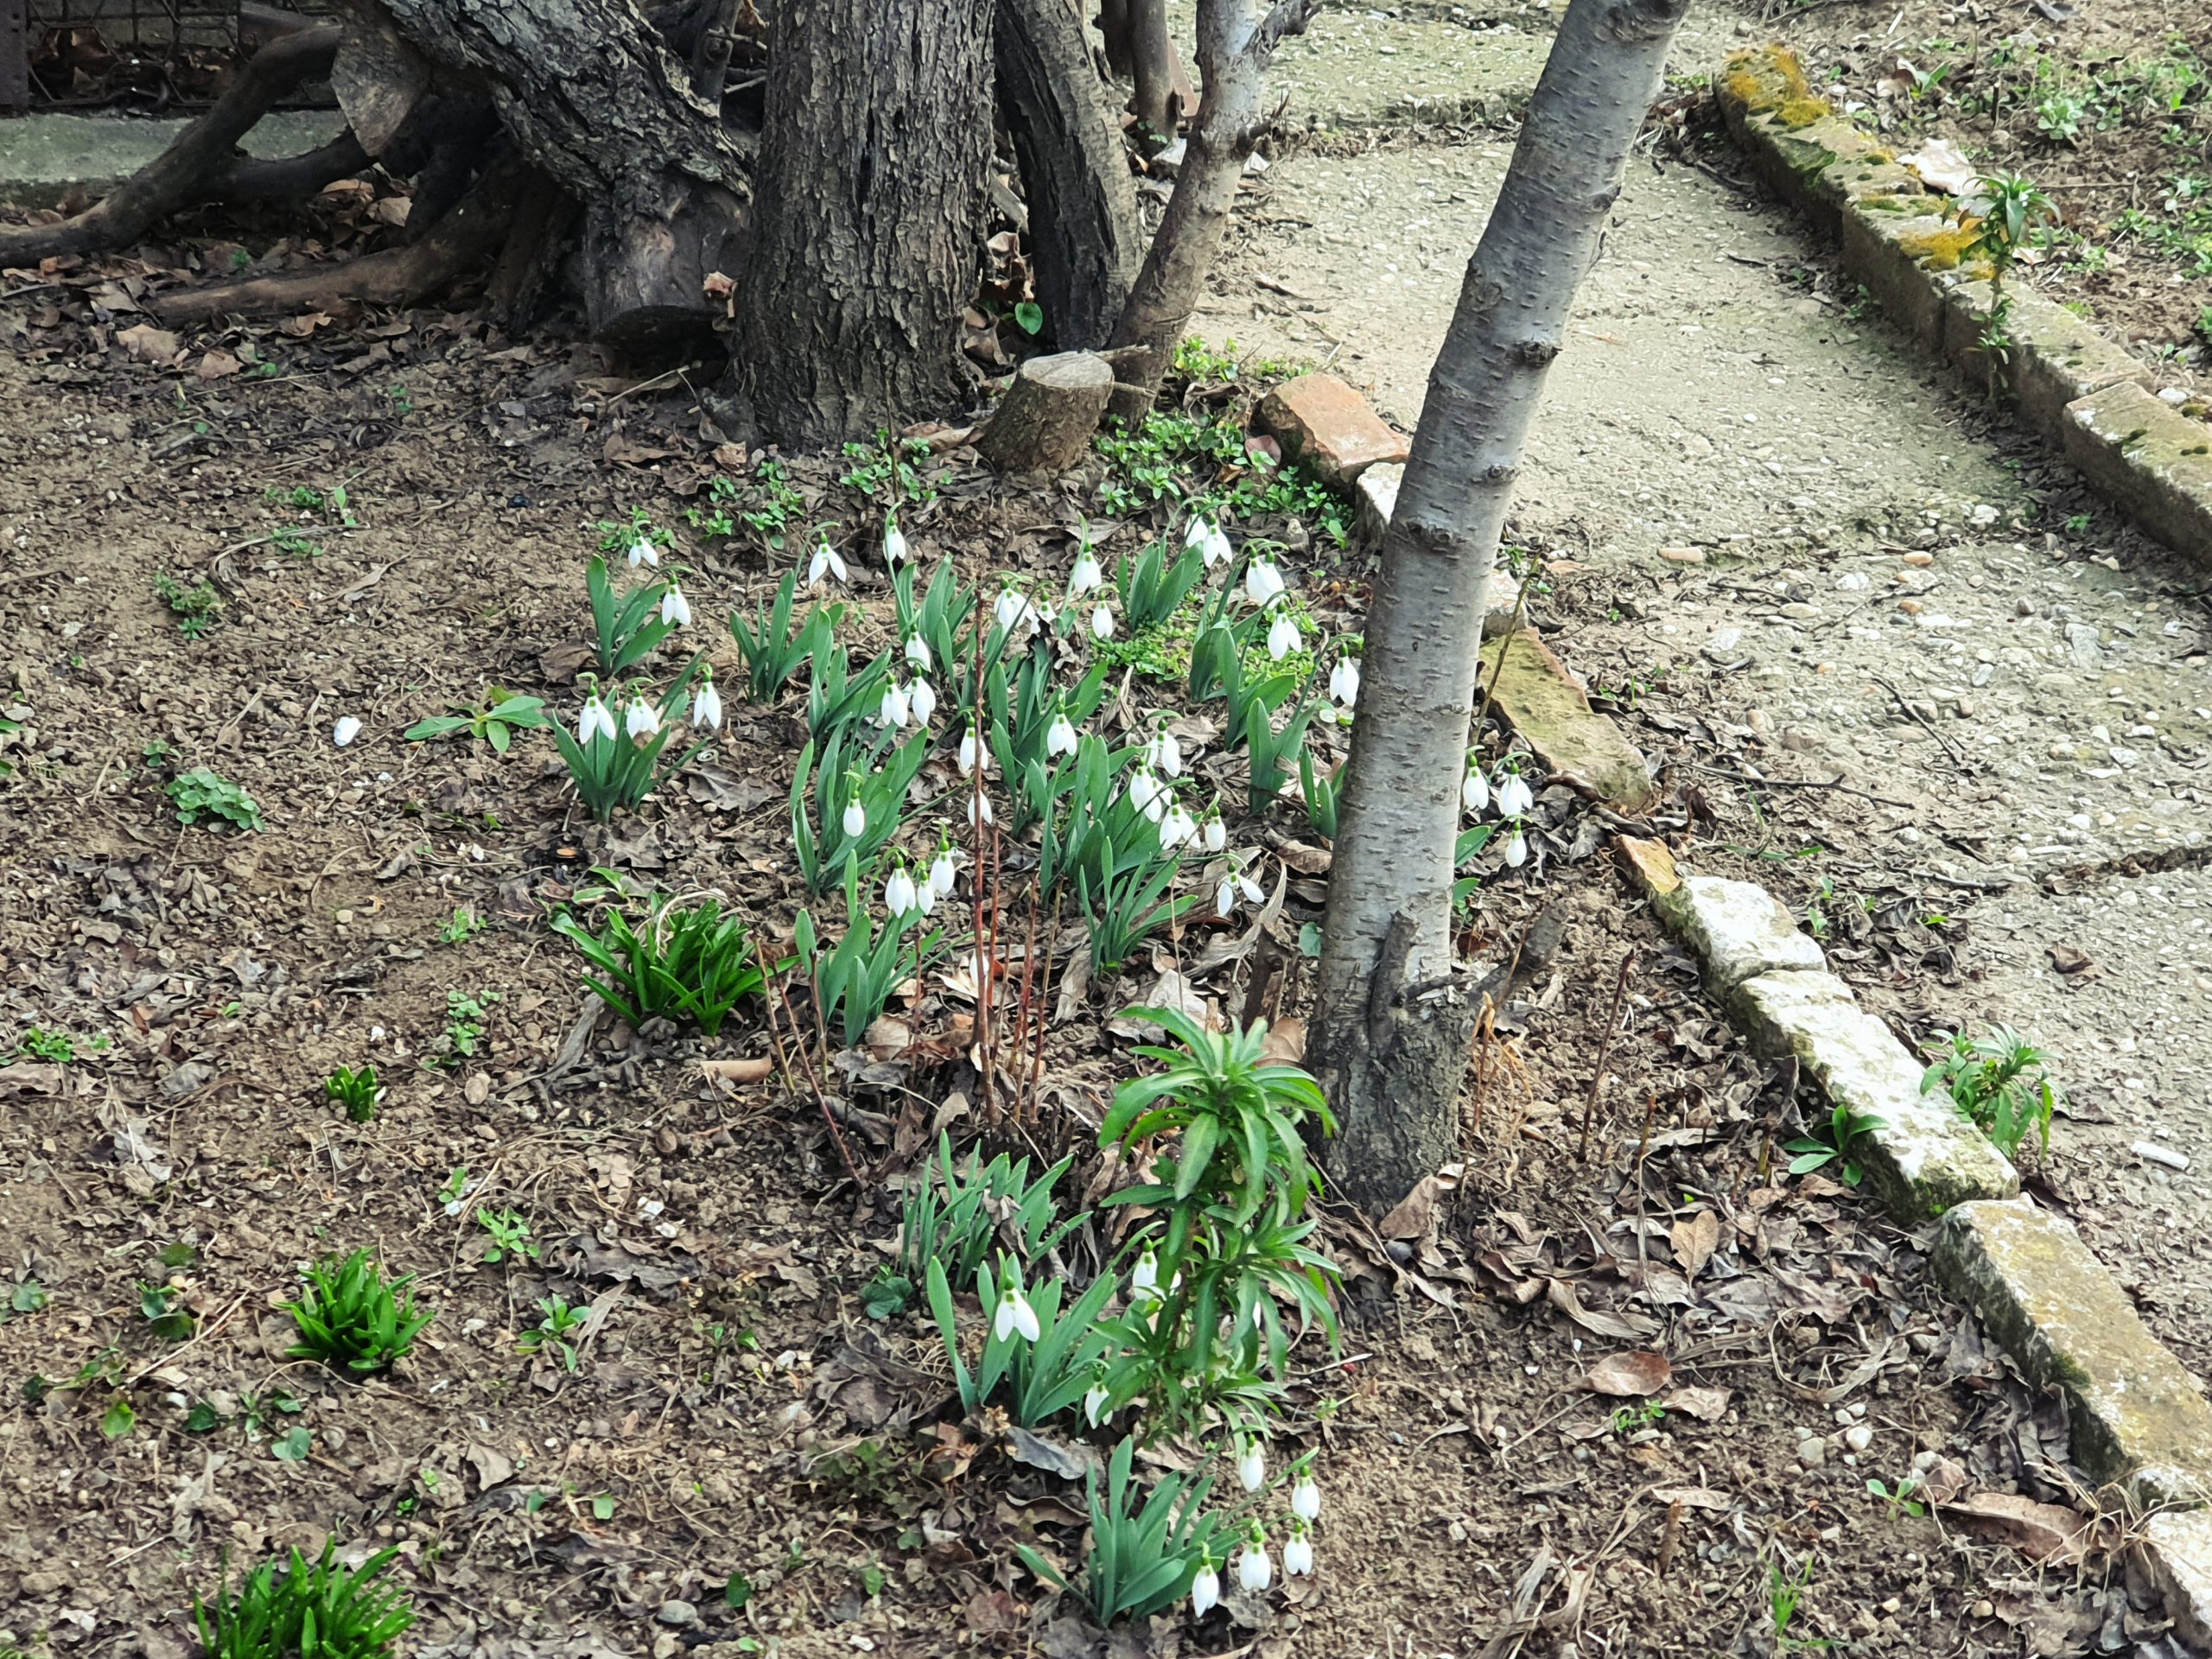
<point x="1891" y="587"/>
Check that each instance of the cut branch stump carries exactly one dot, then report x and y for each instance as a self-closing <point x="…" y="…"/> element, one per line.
<point x="1049" y="413"/>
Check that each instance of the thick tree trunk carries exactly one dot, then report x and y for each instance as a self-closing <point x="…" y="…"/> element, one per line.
<point x="871" y="186"/>
<point x="1086" y="241"/>
<point x="1391" y="1037"/>
<point x="1233" y="54"/>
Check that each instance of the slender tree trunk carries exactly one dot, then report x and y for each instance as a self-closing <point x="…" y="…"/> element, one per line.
<point x="1117" y="28"/>
<point x="1152" y="61"/>
<point x="1233" y="52"/>
<point x="871" y="185"/>
<point x="1391" y="1037"/>
<point x="1086" y="240"/>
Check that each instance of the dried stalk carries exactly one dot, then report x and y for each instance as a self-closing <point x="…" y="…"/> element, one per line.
<point x="1605" y="1051"/>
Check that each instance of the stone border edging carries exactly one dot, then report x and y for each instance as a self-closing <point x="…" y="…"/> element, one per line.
<point x="2082" y="393"/>
<point x="2139" y="1419"/>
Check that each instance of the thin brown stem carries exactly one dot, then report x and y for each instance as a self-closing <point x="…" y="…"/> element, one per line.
<point x="1605" y="1050"/>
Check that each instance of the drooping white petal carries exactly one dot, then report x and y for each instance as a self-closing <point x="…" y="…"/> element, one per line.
<point x="971" y="752"/>
<point x="1252" y="1465"/>
<point x="1305" y="1498"/>
<point x="1059" y="736"/>
<point x="642" y="720"/>
<point x="1145" y="1276"/>
<point x="1216" y="833"/>
<point x="1224" y="896"/>
<point x="1144" y="790"/>
<point x="1016" y="1315"/>
<point x="707" y="707"/>
<point x="1195" y="534"/>
<point x="1515" y="798"/>
<point x="1164" y="754"/>
<point x="918" y="651"/>
<point x="898" y="892"/>
<point x="1253" y="1570"/>
<point x="921" y="698"/>
<point x="1263" y="583"/>
<point x="1298" y="1556"/>
<point x="1102" y="623"/>
<point x="1343" y="681"/>
<point x="1095" y="1401"/>
<point x="1516" y="851"/>
<point x="855" y="818"/>
<point x="1474" y="793"/>
<point x="1205" y="1592"/>
<point x="891" y="712"/>
<point x="896" y="552"/>
<point x="1217" y="550"/>
<point x="1251" y="889"/>
<point x="1283" y="636"/>
<point x="675" y="608"/>
<point x="642" y="552"/>
<point x="942" y="873"/>
<point x="1176" y="828"/>
<point x="924" y="897"/>
<point x="979" y="811"/>
<point x="1086" y="577"/>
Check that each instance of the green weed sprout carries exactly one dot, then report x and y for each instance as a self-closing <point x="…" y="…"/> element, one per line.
<point x="689" y="961"/>
<point x="1998" y="1083"/>
<point x="202" y="794"/>
<point x="325" y="1611"/>
<point x="357" y="1091"/>
<point x="1843" y="1129"/>
<point x="350" y="1319"/>
<point x="501" y="716"/>
<point x="1142" y="1558"/>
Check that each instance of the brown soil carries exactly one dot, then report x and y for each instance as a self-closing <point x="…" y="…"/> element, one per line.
<point x="733" y="1411"/>
<point x="2107" y="107"/>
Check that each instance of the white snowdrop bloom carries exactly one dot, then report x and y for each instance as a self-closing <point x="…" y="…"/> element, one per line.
<point x="1144" y="1278"/>
<point x="1015" y="1315"/>
<point x="675" y="608"/>
<point x="1252" y="890"/>
<point x="918" y="651"/>
<point x="642" y="721"/>
<point x="1224" y="896"/>
<point x="707" y="707"/>
<point x="1086" y="577"/>
<point x="1515" y="798"/>
<point x="596" y="718"/>
<point x="1195" y="534"/>
<point x="826" y="562"/>
<point x="642" y="552"/>
<point x="1305" y="1497"/>
<point x="1144" y="790"/>
<point x="941" y="872"/>
<point x="1217" y="550"/>
<point x="895" y="550"/>
<point x="1516" y="851"/>
<point x="971" y="752"/>
<point x="979" y="810"/>
<point x="1343" y="681"/>
<point x="924" y="897"/>
<point x="1095" y="1399"/>
<point x="921" y="699"/>
<point x="1253" y="1570"/>
<point x="1298" y="1553"/>
<point x="1205" y="1592"/>
<point x="898" y="892"/>
<point x="892" y="711"/>
<point x="1252" y="1465"/>
<point x="855" y="818"/>
<point x="345" y="731"/>
<point x="1102" y="623"/>
<point x="1059" y="736"/>
<point x="1014" y="609"/>
<point x="1263" y="583"/>
<point x="1176" y="828"/>
<point x="1474" y="793"/>
<point x="1164" y="754"/>
<point x="1283" y="636"/>
<point x="1217" y="833"/>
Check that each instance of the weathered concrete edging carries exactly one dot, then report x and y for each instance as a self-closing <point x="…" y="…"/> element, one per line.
<point x="2082" y="393"/>
<point x="2140" y="1422"/>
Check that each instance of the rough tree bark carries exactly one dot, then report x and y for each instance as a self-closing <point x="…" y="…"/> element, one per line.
<point x="1233" y="52"/>
<point x="1391" y="1034"/>
<point x="865" y="248"/>
<point x="1084" y="238"/>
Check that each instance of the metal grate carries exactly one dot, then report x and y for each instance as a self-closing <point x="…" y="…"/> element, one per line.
<point x="172" y="54"/>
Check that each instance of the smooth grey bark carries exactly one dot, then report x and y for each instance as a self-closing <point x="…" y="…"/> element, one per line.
<point x="1234" y="46"/>
<point x="1391" y="1033"/>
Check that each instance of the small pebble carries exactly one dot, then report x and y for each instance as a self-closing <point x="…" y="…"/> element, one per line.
<point x="1812" y="1452"/>
<point x="1859" y="1437"/>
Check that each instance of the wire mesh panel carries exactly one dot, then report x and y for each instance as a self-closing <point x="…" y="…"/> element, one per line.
<point x="156" y="25"/>
<point x="162" y="52"/>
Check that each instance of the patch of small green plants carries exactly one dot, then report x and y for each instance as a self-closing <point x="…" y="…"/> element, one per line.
<point x="1835" y="1142"/>
<point x="462" y="926"/>
<point x="465" y="1017"/>
<point x="767" y="505"/>
<point x="358" y="1092"/>
<point x="619" y="536"/>
<point x="1645" y="1413"/>
<point x="560" y="1322"/>
<point x="56" y="1047"/>
<point x="682" y="961"/>
<point x="165" y="1314"/>
<point x="954" y="1219"/>
<point x="195" y="607"/>
<point x="1785" y="1592"/>
<point x="496" y="720"/>
<point x="1999" y="1083"/>
<point x="202" y="794"/>
<point x="318" y="1610"/>
<point x="350" y="1318"/>
<point x="1195" y="359"/>
<point x="1201" y="462"/>
<point x="890" y="472"/>
<point x="509" y="1235"/>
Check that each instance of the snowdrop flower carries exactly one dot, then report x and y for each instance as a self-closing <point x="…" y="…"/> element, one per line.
<point x="1515" y="798"/>
<point x="596" y="718"/>
<point x="855" y="819"/>
<point x="1014" y="609"/>
<point x="1252" y="1465"/>
<point x="826" y="562"/>
<point x="1176" y="828"/>
<point x="675" y="608"/>
<point x="1059" y="736"/>
<point x="1206" y="1589"/>
<point x="1474" y="793"/>
<point x="1343" y="681"/>
<point x="1298" y="1553"/>
<point x="642" y="721"/>
<point x="941" y="872"/>
<point x="1283" y="636"/>
<point x="642" y="552"/>
<point x="918" y="651"/>
<point x="899" y="895"/>
<point x="895" y="550"/>
<point x="892" y="711"/>
<point x="924" y="897"/>
<point x="1253" y="1570"/>
<point x="971" y="750"/>
<point x="979" y="811"/>
<point x="1095" y="1400"/>
<point x="1144" y="790"/>
<point x="345" y="731"/>
<point x="707" y="707"/>
<point x="921" y="698"/>
<point x="1164" y="753"/>
<point x="1224" y="896"/>
<point x="1102" y="623"/>
<point x="1516" y="851"/>
<point x="1144" y="1278"/>
<point x="1263" y="583"/>
<point x="1015" y="1315"/>
<point x="1305" y="1495"/>
<point x="1086" y="577"/>
<point x="1205" y="535"/>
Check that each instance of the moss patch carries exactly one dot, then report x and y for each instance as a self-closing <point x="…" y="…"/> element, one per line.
<point x="1943" y="249"/>
<point x="1761" y="79"/>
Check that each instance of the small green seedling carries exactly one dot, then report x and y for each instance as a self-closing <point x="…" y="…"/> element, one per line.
<point x="195" y="607"/>
<point x="1998" y="1083"/>
<point x="1784" y="1594"/>
<point x="465" y="1017"/>
<point x="553" y="1330"/>
<point x="509" y="1235"/>
<point x="202" y="794"/>
<point x="462" y="926"/>
<point x="1901" y="1499"/>
<point x="1646" y="1413"/>
<point x="357" y="1091"/>
<point x="56" y="1047"/>
<point x="496" y="720"/>
<point x="351" y="1319"/>
<point x="1844" y="1129"/>
<point x="164" y="1314"/>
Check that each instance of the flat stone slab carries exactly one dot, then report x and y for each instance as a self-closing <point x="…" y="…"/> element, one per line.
<point x="1925" y="1157"/>
<point x="1737" y="929"/>
<point x="1327" y="425"/>
<point x="1545" y="703"/>
<point x="42" y="157"/>
<point x="2129" y="444"/>
<point x="2139" y="1417"/>
<point x="2177" y="1549"/>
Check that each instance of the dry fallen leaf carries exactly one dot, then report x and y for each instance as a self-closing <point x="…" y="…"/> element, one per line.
<point x="748" y="1070"/>
<point x="2041" y="1532"/>
<point x="1693" y="1497"/>
<point x="1285" y="1042"/>
<point x="1619" y="1327"/>
<point x="1694" y="1241"/>
<point x="149" y="344"/>
<point x="1706" y="1404"/>
<point x="1629" y="1376"/>
<point x="1416" y="1215"/>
